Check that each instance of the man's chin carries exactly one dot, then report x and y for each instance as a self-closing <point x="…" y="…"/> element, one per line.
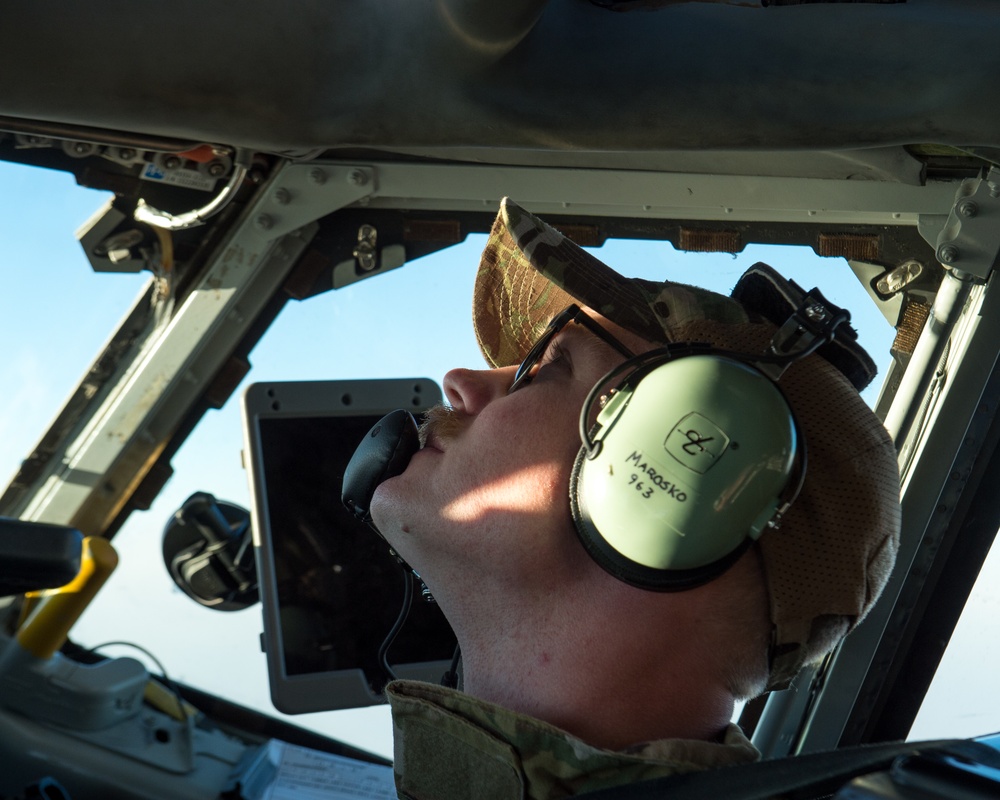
<point x="379" y="503"/>
<point x="387" y="503"/>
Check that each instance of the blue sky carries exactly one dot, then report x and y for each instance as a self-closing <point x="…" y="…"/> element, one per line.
<point x="55" y="314"/>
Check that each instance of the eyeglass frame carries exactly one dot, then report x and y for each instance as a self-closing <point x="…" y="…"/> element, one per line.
<point x="572" y="313"/>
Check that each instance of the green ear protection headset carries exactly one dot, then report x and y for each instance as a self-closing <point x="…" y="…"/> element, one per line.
<point x="694" y="454"/>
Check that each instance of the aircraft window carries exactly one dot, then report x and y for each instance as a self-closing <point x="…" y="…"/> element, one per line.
<point x="340" y="334"/>
<point x="962" y="700"/>
<point x="55" y="312"/>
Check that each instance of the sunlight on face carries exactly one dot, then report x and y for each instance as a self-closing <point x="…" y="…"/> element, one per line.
<point x="528" y="490"/>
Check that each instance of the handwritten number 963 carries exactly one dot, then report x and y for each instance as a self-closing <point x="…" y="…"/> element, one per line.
<point x="646" y="491"/>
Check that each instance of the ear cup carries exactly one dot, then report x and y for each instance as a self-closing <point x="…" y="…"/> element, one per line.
<point x="663" y="579"/>
<point x="688" y="463"/>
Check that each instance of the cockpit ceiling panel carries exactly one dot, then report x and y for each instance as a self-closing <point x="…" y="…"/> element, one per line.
<point x="566" y="75"/>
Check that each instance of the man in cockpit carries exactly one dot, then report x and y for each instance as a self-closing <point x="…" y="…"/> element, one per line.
<point x="580" y="672"/>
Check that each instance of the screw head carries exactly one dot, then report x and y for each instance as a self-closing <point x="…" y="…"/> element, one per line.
<point x="264" y="222"/>
<point x="317" y="176"/>
<point x="216" y="169"/>
<point x="282" y="196"/>
<point x="968" y="208"/>
<point x="172" y="162"/>
<point x="357" y="177"/>
<point x="816" y="312"/>
<point x="947" y="254"/>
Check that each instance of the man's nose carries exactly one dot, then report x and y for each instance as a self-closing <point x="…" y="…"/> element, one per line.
<point x="471" y="390"/>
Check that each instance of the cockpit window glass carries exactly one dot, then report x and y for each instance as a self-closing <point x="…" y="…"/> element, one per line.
<point x="55" y="311"/>
<point x="963" y="700"/>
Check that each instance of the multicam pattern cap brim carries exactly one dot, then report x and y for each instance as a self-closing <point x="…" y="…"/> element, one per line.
<point x="530" y="272"/>
<point x="829" y="561"/>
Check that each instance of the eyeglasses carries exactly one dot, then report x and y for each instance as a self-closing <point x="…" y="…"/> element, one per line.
<point x="572" y="313"/>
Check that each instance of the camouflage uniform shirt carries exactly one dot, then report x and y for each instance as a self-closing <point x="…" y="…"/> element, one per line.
<point x="449" y="745"/>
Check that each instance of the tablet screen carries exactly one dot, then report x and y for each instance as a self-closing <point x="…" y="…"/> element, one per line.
<point x="330" y="588"/>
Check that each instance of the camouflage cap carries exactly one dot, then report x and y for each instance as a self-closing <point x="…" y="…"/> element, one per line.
<point x="830" y="559"/>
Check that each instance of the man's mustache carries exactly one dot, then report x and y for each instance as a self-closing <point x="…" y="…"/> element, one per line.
<point x="443" y="422"/>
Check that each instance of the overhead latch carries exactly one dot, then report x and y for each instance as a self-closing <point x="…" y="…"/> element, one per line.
<point x="365" y="252"/>
<point x="896" y="280"/>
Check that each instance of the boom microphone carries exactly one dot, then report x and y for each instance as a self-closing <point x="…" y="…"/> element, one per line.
<point x="384" y="453"/>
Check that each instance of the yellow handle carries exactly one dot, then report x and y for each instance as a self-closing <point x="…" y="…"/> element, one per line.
<point x="49" y="625"/>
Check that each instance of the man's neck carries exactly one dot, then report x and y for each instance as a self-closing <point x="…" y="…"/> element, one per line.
<point x="584" y="672"/>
